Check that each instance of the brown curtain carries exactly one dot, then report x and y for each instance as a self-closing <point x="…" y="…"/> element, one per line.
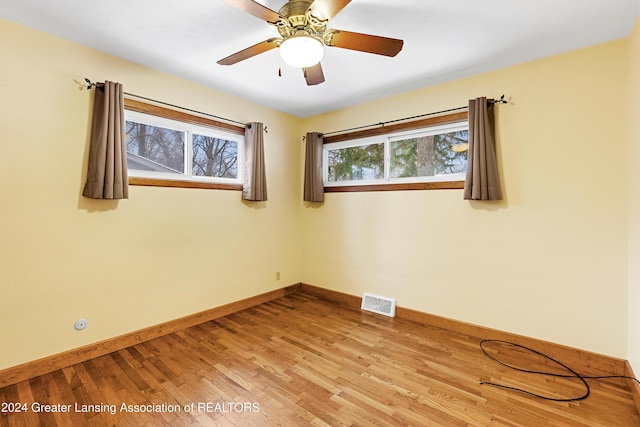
<point x="313" y="185"/>
<point x="107" y="168"/>
<point x="255" y="181"/>
<point x="482" y="182"/>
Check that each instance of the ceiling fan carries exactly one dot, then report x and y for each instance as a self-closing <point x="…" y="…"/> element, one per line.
<point x="302" y="25"/>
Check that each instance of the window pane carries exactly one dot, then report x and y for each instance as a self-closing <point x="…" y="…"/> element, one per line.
<point x="154" y="148"/>
<point x="215" y="157"/>
<point x="428" y="155"/>
<point x="363" y="162"/>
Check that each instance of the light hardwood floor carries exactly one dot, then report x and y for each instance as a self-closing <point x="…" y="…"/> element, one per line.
<point x="303" y="360"/>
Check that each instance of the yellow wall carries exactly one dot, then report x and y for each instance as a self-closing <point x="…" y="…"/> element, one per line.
<point x="550" y="261"/>
<point x="162" y="254"/>
<point x="634" y="199"/>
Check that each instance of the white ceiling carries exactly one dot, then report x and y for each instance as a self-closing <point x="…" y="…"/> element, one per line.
<point x="444" y="40"/>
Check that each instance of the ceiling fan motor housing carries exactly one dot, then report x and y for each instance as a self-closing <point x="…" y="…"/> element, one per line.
<point x="294" y="7"/>
<point x="300" y="20"/>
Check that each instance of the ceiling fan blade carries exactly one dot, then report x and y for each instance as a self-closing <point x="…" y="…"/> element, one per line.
<point x="256" y="9"/>
<point x="324" y="10"/>
<point x="254" y="50"/>
<point x="313" y="75"/>
<point x="364" y="42"/>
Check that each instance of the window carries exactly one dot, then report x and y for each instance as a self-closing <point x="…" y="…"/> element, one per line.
<point x="168" y="152"/>
<point x="427" y="155"/>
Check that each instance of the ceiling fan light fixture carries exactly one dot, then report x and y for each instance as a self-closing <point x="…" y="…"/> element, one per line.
<point x="301" y="51"/>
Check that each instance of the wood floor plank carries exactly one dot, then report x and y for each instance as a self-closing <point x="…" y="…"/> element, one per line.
<point x="303" y="360"/>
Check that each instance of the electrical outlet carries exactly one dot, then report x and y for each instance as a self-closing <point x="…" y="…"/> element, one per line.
<point x="277" y="275"/>
<point x="80" y="324"/>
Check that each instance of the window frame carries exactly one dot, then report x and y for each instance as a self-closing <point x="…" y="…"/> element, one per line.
<point x="161" y="116"/>
<point x="428" y="126"/>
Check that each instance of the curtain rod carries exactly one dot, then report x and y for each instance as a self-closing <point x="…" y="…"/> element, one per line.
<point x="90" y="84"/>
<point x="491" y="101"/>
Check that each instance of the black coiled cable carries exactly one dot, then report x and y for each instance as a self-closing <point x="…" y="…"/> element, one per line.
<point x="572" y="373"/>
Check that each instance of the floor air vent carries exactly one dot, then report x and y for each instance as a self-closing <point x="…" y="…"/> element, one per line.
<point x="378" y="304"/>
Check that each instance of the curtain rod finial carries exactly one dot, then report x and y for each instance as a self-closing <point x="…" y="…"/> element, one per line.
<point x="90" y="84"/>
